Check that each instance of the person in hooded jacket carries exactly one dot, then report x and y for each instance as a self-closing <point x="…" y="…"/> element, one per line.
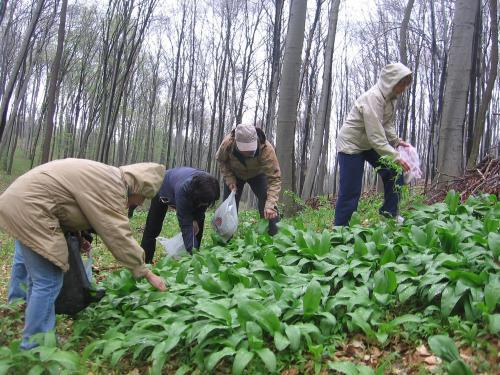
<point x="366" y="135"/>
<point x="190" y="192"/>
<point x="72" y="195"/>
<point x="245" y="156"/>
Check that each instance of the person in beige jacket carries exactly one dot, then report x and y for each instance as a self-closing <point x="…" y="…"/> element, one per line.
<point x="245" y="156"/>
<point x="367" y="134"/>
<point x="71" y="195"/>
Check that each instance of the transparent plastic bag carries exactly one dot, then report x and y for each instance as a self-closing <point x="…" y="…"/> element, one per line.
<point x="225" y="221"/>
<point x="409" y="155"/>
<point x="173" y="246"/>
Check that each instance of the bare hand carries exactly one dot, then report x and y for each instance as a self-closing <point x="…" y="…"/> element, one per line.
<point x="404" y="144"/>
<point x="232" y="187"/>
<point x="196" y="227"/>
<point x="156" y="281"/>
<point x="270" y="213"/>
<point x="405" y="165"/>
<point x="85" y="245"/>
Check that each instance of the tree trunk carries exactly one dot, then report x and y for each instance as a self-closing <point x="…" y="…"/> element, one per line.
<point x="325" y="102"/>
<point x="23" y="51"/>
<point x="450" y="151"/>
<point x="492" y="75"/>
<point x="54" y="79"/>
<point x="275" y="71"/>
<point x="289" y="91"/>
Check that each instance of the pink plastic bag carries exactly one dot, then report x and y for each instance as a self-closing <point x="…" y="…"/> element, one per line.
<point x="409" y="155"/>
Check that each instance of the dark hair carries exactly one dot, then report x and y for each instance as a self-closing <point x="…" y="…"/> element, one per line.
<point x="204" y="188"/>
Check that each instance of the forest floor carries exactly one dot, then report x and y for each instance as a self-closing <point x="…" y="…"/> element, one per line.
<point x="351" y="345"/>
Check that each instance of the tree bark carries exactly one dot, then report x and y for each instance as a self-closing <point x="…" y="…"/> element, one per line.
<point x="325" y="102"/>
<point x="492" y="75"/>
<point x="23" y="52"/>
<point x="450" y="151"/>
<point x="289" y="91"/>
<point x="54" y="79"/>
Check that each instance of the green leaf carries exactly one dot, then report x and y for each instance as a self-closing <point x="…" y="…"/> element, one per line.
<point x="280" y="341"/>
<point x="209" y="284"/>
<point x="249" y="310"/>
<point x="325" y="244"/>
<point x="360" y="248"/>
<point x="458" y="367"/>
<point x="492" y="294"/>
<point x="362" y="323"/>
<point x="214" y="358"/>
<point x="388" y="257"/>
<point x="35" y="370"/>
<point x="444" y="347"/>
<point x="216" y="310"/>
<point x="268" y="357"/>
<point x="69" y="360"/>
<point x="293" y="334"/>
<point x="494" y="243"/>
<point x="181" y="275"/>
<point x="452" y="200"/>
<point x="312" y="298"/>
<point x="419" y="236"/>
<point x="407" y="293"/>
<point x="241" y="361"/>
<point x="449" y="299"/>
<point x="385" y="281"/>
<point x="270" y="260"/>
<point x="494" y="323"/>
<point x="344" y="367"/>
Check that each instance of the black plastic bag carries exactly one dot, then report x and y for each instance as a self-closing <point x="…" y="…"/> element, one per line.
<point x="76" y="292"/>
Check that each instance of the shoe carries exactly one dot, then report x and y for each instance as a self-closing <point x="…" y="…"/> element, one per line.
<point x="399" y="219"/>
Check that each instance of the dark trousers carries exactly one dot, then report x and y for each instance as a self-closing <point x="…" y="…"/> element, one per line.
<point x="258" y="184"/>
<point x="351" y="168"/>
<point x="154" y="223"/>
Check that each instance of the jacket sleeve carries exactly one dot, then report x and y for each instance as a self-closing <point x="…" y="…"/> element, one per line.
<point x="390" y="133"/>
<point x="372" y="108"/>
<point x="185" y="218"/>
<point x="272" y="170"/>
<point x="112" y="225"/>
<point x="222" y="157"/>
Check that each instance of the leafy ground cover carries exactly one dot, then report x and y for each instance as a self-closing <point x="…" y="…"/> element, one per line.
<point x="372" y="298"/>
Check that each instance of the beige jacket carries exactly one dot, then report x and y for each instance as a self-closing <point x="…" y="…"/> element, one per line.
<point x="265" y="162"/>
<point x="369" y="123"/>
<point x="77" y="194"/>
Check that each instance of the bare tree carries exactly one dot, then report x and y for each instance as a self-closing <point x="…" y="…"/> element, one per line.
<point x="23" y="52"/>
<point x="289" y="91"/>
<point x="325" y="102"/>
<point x="54" y="79"/>
<point x="450" y="152"/>
<point x="492" y="75"/>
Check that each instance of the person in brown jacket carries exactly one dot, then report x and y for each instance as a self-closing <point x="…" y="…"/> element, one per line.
<point x="71" y="195"/>
<point x="245" y="156"/>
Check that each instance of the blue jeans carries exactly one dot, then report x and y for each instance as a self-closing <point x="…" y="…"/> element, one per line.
<point x="18" y="276"/>
<point x="44" y="284"/>
<point x="351" y="168"/>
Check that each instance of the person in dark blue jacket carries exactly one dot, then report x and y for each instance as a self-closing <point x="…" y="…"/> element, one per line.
<point x="190" y="191"/>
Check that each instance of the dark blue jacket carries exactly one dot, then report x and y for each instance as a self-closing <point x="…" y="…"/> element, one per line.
<point x="175" y="190"/>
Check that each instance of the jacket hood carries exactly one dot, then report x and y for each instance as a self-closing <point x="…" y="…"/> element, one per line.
<point x="390" y="75"/>
<point x="144" y="178"/>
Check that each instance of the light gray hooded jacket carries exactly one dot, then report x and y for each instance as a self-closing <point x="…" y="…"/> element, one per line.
<point x="369" y="123"/>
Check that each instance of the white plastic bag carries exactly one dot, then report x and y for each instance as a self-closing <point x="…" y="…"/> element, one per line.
<point x="225" y="220"/>
<point x="173" y="246"/>
<point x="409" y="155"/>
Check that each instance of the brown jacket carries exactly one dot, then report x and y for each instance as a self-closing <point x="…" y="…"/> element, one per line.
<point x="77" y="194"/>
<point x="265" y="162"/>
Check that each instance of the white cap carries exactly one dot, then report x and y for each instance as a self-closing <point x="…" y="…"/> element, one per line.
<point x="246" y="137"/>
